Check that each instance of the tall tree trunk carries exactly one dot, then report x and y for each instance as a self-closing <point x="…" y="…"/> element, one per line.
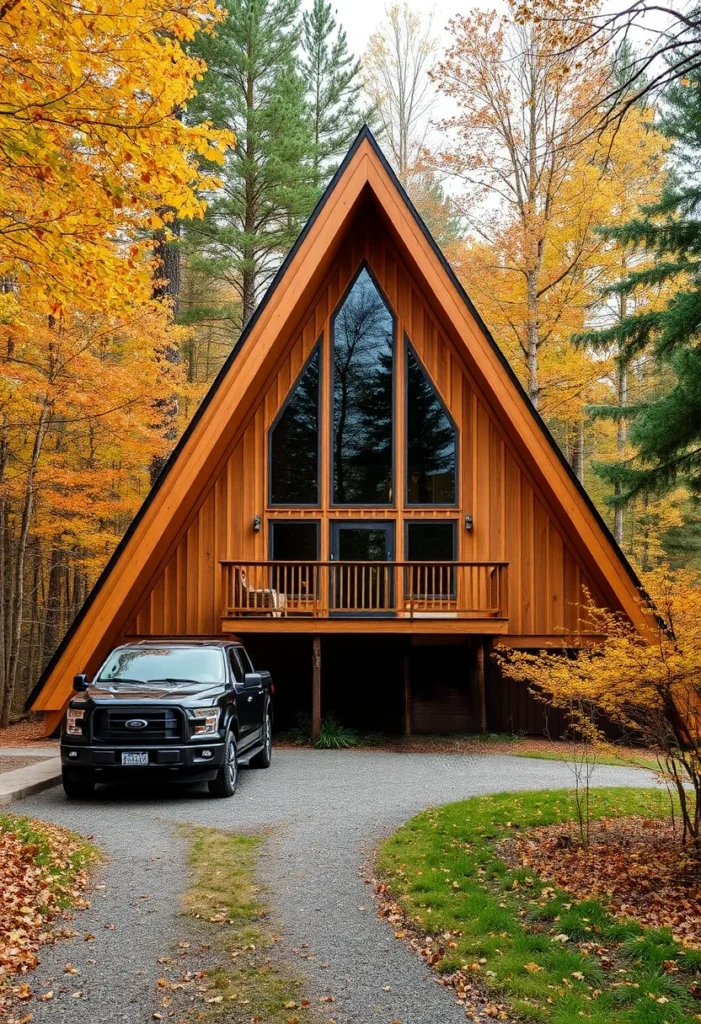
<point x="167" y="285"/>
<point x="248" y="270"/>
<point x="52" y="606"/>
<point x="576" y="449"/>
<point x="4" y="571"/>
<point x="532" y="338"/>
<point x="33" y="657"/>
<point x="17" y="591"/>
<point x="621" y="425"/>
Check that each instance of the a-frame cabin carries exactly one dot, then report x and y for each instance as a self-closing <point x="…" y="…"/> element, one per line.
<point x="365" y="483"/>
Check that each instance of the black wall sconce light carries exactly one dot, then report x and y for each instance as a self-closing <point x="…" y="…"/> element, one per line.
<point x="468" y="522"/>
<point x="257" y="523"/>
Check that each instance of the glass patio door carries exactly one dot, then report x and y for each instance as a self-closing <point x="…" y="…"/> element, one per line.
<point x="362" y="582"/>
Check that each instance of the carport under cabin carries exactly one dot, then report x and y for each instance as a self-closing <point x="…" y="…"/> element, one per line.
<point x="366" y="496"/>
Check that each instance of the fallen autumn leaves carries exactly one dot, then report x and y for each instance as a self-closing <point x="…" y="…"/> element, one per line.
<point x="636" y="864"/>
<point x="42" y="872"/>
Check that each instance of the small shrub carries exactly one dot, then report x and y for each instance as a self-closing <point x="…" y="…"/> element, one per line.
<point x="335" y="736"/>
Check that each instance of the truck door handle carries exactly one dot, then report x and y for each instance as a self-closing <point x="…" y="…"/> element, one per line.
<point x="250" y="699"/>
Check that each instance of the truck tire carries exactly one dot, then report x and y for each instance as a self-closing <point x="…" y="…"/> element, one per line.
<point x="228" y="775"/>
<point x="77" y="785"/>
<point x="263" y="759"/>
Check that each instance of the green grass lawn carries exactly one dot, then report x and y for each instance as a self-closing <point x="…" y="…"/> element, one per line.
<point x="642" y="760"/>
<point x="525" y="941"/>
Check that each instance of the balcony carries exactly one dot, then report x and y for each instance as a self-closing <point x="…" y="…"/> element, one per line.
<point x="364" y="596"/>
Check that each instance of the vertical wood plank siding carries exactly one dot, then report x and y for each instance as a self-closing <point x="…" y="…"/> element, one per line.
<point x="512" y="520"/>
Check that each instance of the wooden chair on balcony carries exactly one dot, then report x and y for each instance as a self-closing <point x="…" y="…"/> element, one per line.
<point x="257" y="599"/>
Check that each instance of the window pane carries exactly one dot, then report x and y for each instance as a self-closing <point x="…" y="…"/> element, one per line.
<point x="430" y="542"/>
<point x="294" y="542"/>
<point x="235" y="666"/>
<point x="431" y="441"/>
<point x="363" y="336"/>
<point x="294" y="443"/>
<point x="143" y="664"/>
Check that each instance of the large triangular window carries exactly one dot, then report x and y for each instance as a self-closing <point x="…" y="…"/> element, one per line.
<point x="431" y="440"/>
<point x="294" y="441"/>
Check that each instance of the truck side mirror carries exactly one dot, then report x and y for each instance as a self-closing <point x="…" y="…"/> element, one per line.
<point x="252" y="681"/>
<point x="80" y="682"/>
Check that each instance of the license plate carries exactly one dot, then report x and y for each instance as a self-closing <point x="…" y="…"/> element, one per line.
<point x="132" y="757"/>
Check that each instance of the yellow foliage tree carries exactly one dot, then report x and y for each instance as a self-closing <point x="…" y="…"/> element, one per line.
<point x="93" y="152"/>
<point x="644" y="681"/>
<point x="80" y="424"/>
<point x="522" y="151"/>
<point x="535" y="180"/>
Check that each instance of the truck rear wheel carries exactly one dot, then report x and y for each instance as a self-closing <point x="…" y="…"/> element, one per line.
<point x="228" y="775"/>
<point x="77" y="784"/>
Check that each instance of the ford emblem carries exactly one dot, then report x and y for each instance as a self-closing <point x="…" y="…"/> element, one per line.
<point x="136" y="723"/>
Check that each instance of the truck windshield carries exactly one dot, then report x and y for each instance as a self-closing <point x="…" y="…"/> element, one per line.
<point x="164" y="664"/>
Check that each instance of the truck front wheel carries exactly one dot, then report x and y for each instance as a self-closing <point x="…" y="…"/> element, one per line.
<point x="77" y="784"/>
<point x="228" y="775"/>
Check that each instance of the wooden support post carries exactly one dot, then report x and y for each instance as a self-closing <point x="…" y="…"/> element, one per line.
<point x="479" y="685"/>
<point x="407" y="693"/>
<point x="316" y="687"/>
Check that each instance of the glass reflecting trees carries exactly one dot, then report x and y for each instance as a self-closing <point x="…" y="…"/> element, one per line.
<point x="294" y="442"/>
<point x="363" y="344"/>
<point x="431" y="441"/>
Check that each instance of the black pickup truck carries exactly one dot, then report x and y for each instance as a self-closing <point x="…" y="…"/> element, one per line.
<point x="168" y="710"/>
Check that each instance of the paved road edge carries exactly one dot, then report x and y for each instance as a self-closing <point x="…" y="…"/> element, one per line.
<point x="23" y="782"/>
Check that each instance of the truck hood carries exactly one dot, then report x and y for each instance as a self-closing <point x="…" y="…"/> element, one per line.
<point x="105" y="692"/>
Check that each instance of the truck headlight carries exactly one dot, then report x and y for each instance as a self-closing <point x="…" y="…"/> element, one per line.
<point x="209" y="724"/>
<point x="74" y="721"/>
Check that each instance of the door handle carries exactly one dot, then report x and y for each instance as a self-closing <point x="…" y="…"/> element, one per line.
<point x="250" y="699"/>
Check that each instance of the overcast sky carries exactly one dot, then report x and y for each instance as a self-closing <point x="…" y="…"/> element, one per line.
<point x="360" y="18"/>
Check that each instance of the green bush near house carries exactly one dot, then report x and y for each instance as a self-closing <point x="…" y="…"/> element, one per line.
<point x="333" y="736"/>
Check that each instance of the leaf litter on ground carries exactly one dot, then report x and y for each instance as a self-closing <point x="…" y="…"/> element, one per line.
<point x="43" y="872"/>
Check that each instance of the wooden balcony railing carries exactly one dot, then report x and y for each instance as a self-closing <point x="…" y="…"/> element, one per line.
<point x="322" y="590"/>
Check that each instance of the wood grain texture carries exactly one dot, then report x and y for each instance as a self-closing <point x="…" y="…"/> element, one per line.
<point x="512" y="520"/>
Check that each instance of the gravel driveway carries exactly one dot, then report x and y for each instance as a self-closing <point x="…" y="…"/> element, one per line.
<point x="323" y="812"/>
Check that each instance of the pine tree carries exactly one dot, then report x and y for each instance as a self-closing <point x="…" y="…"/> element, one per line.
<point x="332" y="78"/>
<point x="253" y="86"/>
<point x="666" y="430"/>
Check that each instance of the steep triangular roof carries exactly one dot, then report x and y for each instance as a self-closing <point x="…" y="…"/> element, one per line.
<point x="193" y="464"/>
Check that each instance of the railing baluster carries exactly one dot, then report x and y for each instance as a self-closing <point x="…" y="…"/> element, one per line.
<point x="289" y="588"/>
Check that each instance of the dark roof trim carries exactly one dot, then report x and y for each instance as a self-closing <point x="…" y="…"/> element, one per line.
<point x="187" y="433"/>
<point x="364" y="133"/>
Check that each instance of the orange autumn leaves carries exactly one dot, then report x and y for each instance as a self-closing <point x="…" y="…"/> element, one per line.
<point x="42" y="869"/>
<point x="94" y="151"/>
<point x="94" y="381"/>
<point x="97" y="161"/>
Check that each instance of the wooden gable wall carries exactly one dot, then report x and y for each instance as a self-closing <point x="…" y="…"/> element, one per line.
<point x="512" y="521"/>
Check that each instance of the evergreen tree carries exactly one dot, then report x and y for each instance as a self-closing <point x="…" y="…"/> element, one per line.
<point x="332" y="78"/>
<point x="665" y="430"/>
<point x="253" y="86"/>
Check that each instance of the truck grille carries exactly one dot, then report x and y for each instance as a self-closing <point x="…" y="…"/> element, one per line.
<point x="164" y="724"/>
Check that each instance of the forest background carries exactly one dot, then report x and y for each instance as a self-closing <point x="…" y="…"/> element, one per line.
<point x="158" y="159"/>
